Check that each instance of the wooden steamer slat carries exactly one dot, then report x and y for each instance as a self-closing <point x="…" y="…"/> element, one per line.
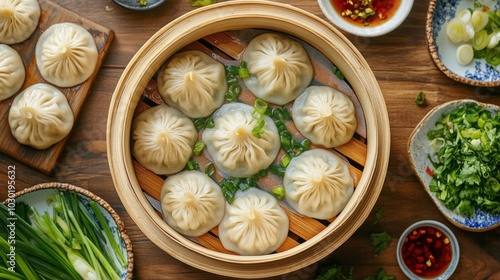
<point x="228" y="48"/>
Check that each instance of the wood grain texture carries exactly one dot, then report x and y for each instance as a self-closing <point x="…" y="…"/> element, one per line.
<point x="402" y="66"/>
<point x="51" y="13"/>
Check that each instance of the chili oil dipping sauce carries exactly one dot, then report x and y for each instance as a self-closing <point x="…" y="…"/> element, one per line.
<point x="366" y="18"/>
<point x="428" y="250"/>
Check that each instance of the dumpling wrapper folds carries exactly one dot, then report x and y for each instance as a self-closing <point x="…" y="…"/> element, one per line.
<point x="192" y="203"/>
<point x="40" y="116"/>
<point x="163" y="139"/>
<point x="318" y="184"/>
<point x="253" y="224"/>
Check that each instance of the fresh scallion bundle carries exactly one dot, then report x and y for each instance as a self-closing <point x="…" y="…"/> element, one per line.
<point x="69" y="244"/>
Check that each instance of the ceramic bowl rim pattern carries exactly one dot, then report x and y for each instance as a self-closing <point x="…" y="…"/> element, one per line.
<point x="416" y="147"/>
<point x="120" y="226"/>
<point x="479" y="76"/>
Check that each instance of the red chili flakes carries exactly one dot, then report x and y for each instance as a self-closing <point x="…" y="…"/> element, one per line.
<point x="366" y="12"/>
<point x="427" y="251"/>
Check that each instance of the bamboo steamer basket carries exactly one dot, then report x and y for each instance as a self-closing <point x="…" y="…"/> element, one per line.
<point x="310" y="240"/>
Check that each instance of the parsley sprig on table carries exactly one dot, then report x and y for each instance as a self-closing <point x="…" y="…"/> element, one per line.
<point x="467" y="163"/>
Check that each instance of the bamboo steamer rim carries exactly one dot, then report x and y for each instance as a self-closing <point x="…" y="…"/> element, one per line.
<point x="234" y="16"/>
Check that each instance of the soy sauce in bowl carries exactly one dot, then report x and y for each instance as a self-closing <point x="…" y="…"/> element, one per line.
<point x="428" y="250"/>
<point x="364" y="13"/>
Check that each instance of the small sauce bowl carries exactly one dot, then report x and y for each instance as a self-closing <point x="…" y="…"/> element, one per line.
<point x="134" y="4"/>
<point x="428" y="250"/>
<point x="382" y="27"/>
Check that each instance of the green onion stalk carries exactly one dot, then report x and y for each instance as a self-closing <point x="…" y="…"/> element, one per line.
<point x="69" y="244"/>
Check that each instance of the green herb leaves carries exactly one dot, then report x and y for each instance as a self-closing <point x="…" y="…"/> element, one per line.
<point x="467" y="164"/>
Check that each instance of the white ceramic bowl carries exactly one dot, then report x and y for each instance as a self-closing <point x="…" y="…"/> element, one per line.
<point x="418" y="149"/>
<point x="366" y="31"/>
<point x="453" y="243"/>
<point x="443" y="51"/>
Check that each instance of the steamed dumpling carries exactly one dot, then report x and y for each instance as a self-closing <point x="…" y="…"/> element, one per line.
<point x="254" y="224"/>
<point x="318" y="184"/>
<point x="192" y="203"/>
<point x="18" y="20"/>
<point x="233" y="147"/>
<point x="194" y="83"/>
<point x="40" y="116"/>
<point x="66" y="54"/>
<point x="163" y="139"/>
<point x="325" y="115"/>
<point x="279" y="68"/>
<point x="12" y="72"/>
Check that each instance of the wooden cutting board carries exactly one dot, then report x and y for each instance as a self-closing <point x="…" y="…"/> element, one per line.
<point x="51" y="13"/>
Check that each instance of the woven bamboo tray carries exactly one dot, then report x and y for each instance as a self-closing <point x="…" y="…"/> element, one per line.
<point x="210" y="29"/>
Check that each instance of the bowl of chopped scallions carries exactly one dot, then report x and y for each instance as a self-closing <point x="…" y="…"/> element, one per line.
<point x="463" y="39"/>
<point x="60" y="231"/>
<point x="454" y="151"/>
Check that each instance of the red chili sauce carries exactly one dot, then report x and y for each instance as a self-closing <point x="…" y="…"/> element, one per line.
<point x="366" y="12"/>
<point x="427" y="251"/>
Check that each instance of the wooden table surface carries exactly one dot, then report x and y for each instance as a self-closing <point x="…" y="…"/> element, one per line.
<point x="403" y="67"/>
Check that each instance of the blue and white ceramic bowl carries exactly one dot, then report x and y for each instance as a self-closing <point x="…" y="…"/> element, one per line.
<point x="443" y="51"/>
<point x="418" y="149"/>
<point x="38" y="195"/>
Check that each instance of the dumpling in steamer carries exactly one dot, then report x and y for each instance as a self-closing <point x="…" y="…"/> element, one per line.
<point x="254" y="224"/>
<point x="325" y="115"/>
<point x="192" y="203"/>
<point x="66" y="54"/>
<point x="12" y="72"/>
<point x="194" y="83"/>
<point x="163" y="139"/>
<point x="279" y="68"/>
<point x="318" y="184"/>
<point x="18" y="20"/>
<point x="40" y="116"/>
<point x="233" y="147"/>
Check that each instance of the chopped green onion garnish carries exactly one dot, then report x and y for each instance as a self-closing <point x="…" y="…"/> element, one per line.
<point x="192" y="165"/>
<point x="210" y="123"/>
<point x="203" y="123"/>
<point x="198" y="147"/>
<point x="279" y="192"/>
<point x="198" y="3"/>
<point x="337" y="73"/>
<point x="420" y="99"/>
<point x="466" y="160"/>
<point x="232" y="70"/>
<point x="259" y="129"/>
<point x="277" y="170"/>
<point x="285" y="160"/>
<point x="260" y="108"/>
<point x="243" y="70"/>
<point x="210" y="169"/>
